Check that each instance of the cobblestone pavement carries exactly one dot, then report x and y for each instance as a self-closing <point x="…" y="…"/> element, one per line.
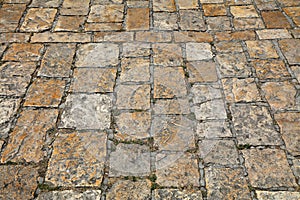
<point x="150" y="99"/>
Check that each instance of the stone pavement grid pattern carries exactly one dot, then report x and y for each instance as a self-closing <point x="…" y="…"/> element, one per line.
<point x="150" y="99"/>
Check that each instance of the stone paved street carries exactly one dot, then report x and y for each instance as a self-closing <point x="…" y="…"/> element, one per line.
<point x="149" y="99"/>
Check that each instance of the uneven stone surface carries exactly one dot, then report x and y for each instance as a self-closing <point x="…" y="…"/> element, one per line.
<point x="23" y="52"/>
<point x="138" y="19"/>
<point x="290" y="49"/>
<point x="71" y="194"/>
<point x="270" y="69"/>
<point x="177" y="194"/>
<point x="261" y="49"/>
<point x="198" y="51"/>
<point x="266" y="195"/>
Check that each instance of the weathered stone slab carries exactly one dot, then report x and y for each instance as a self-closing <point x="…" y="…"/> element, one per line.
<point x="23" y="52"/>
<point x="213" y="129"/>
<point x="70" y="195"/>
<point x="262" y="49"/>
<point x="177" y="194"/>
<point x="267" y="195"/>
<point x="106" y="13"/>
<point x="135" y="70"/>
<point x="171" y="106"/>
<point x="167" y="54"/>
<point x="270" y="69"/>
<point x="291" y="49"/>
<point x="198" y="51"/>
<point x="202" y="71"/>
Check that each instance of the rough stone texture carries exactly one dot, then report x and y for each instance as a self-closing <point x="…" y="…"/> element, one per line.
<point x="192" y="36"/>
<point x="291" y="50"/>
<point x="138" y="19"/>
<point x="86" y="111"/>
<point x="135" y="70"/>
<point x="69" y="23"/>
<point x="241" y="90"/>
<point x="262" y="49"/>
<point x="281" y="95"/>
<point x="214" y="9"/>
<point x="293" y="12"/>
<point x="290" y="127"/>
<point x="192" y="4"/>
<point x="202" y="71"/>
<point x="97" y="55"/>
<point x="167" y="55"/>
<point x="266" y="4"/>
<point x="99" y="80"/>
<point x="169" y="82"/>
<point x="214" y="109"/>
<point x="191" y="20"/>
<point x="61" y="37"/>
<point x="243" y="11"/>
<point x="113" y="36"/>
<point x="131" y="126"/>
<point x="13" y="37"/>
<point x="133" y="97"/>
<point x="164" y="5"/>
<point x="268" y="34"/>
<point x="254" y="125"/>
<point x="198" y="51"/>
<point x="45" y="92"/>
<point x="226" y="183"/>
<point x="235" y="35"/>
<point x="171" y="106"/>
<point x="17" y="182"/>
<point x="136" y="49"/>
<point x="23" y="52"/>
<point x="205" y="93"/>
<point x="182" y="171"/>
<point x="229" y="47"/>
<point x="218" y="23"/>
<point x="268" y="168"/>
<point x="45" y="3"/>
<point x="103" y="26"/>
<point x="153" y="37"/>
<point x="126" y="189"/>
<point x="75" y="7"/>
<point x="130" y="160"/>
<point x="266" y="195"/>
<point x="8" y="108"/>
<point x="270" y="69"/>
<point x="165" y="21"/>
<point x="213" y="129"/>
<point x="78" y="159"/>
<point x="10" y="16"/>
<point x="296" y="71"/>
<point x="71" y="195"/>
<point x="38" y="19"/>
<point x="275" y="19"/>
<point x="169" y="194"/>
<point x="27" y="140"/>
<point x="106" y="13"/>
<point x="248" y="23"/>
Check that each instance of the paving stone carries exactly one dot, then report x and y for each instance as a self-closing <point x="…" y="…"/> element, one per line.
<point x="296" y="71"/>
<point x="97" y="55"/>
<point x="135" y="70"/>
<point x="192" y="36"/>
<point x="214" y="9"/>
<point x="69" y="23"/>
<point x="281" y="95"/>
<point x="61" y="37"/>
<point x="169" y="82"/>
<point x="269" y="195"/>
<point x="57" y="61"/>
<point x="211" y="110"/>
<point x="99" y="80"/>
<point x="202" y="71"/>
<point x="45" y="3"/>
<point x="266" y="4"/>
<point x="17" y="182"/>
<point x="14" y="37"/>
<point x="270" y="69"/>
<point x="170" y="194"/>
<point x="16" y="1"/>
<point x="243" y="11"/>
<point x="167" y="54"/>
<point x="104" y="2"/>
<point x="171" y="106"/>
<point x="75" y="7"/>
<point x="191" y="20"/>
<point x="106" y="13"/>
<point x="290" y="49"/>
<point x="286" y="3"/>
<point x="165" y="21"/>
<point x="198" y="51"/>
<point x="182" y="4"/>
<point x="27" y="140"/>
<point x="275" y="19"/>
<point x="138" y="4"/>
<point x="211" y="1"/>
<point x="133" y="97"/>
<point x="164" y="5"/>
<point x="240" y="2"/>
<point x="23" y="52"/>
<point x="213" y="129"/>
<point x="233" y="65"/>
<point x="138" y="19"/>
<point x="229" y="47"/>
<point x="38" y="19"/>
<point x="296" y="168"/>
<point x="222" y="152"/>
<point x="218" y="23"/>
<point x="70" y="195"/>
<point x="153" y="36"/>
<point x="226" y="183"/>
<point x="290" y="127"/>
<point x="235" y="35"/>
<point x="173" y="133"/>
<point x="8" y="109"/>
<point x="254" y="125"/>
<point x="293" y="12"/>
<point x="130" y="160"/>
<point x="205" y="93"/>
<point x="248" y="23"/>
<point x="132" y="126"/>
<point x="45" y="92"/>
<point x="262" y="49"/>
<point x="78" y="159"/>
<point x="136" y="49"/>
<point x="268" y="168"/>
<point x="269" y="34"/>
<point x="103" y="27"/>
<point x="10" y="15"/>
<point x="86" y="111"/>
<point x="113" y="36"/>
<point x="181" y="172"/>
<point x="126" y="189"/>
<point x="241" y="90"/>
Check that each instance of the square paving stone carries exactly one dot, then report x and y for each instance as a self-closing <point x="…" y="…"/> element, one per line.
<point x="136" y="49"/>
<point x="23" y="52"/>
<point x="45" y="92"/>
<point x="218" y="23"/>
<point x="69" y="23"/>
<point x="78" y="159"/>
<point x="169" y="82"/>
<point x="133" y="97"/>
<point x="281" y="95"/>
<point x="214" y="9"/>
<point x="198" y="51"/>
<point x="106" y="13"/>
<point x="202" y="71"/>
<point x="270" y="69"/>
<point x="262" y="49"/>
<point x="275" y="19"/>
<point x="97" y="55"/>
<point x="177" y="194"/>
<point x="241" y="90"/>
<point x="243" y="11"/>
<point x="269" y="195"/>
<point x="27" y="140"/>
<point x="268" y="168"/>
<point x="226" y="183"/>
<point x="213" y="129"/>
<point x="99" y="80"/>
<point x="171" y="106"/>
<point x="86" y="111"/>
<point x="10" y="16"/>
<point x="132" y="126"/>
<point x="164" y="5"/>
<point x="173" y="133"/>
<point x="165" y="21"/>
<point x="204" y="93"/>
<point x="183" y="4"/>
<point x="167" y="54"/>
<point x="38" y="19"/>
<point x="57" y="61"/>
<point x="191" y="20"/>
<point x="71" y="194"/>
<point x="138" y="19"/>
<point x="18" y="182"/>
<point x="138" y="190"/>
<point x="291" y="50"/>
<point x="130" y="160"/>
<point x="214" y="109"/>
<point x="254" y="125"/>
<point x="177" y="170"/>
<point x="248" y="23"/>
<point x="135" y="70"/>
